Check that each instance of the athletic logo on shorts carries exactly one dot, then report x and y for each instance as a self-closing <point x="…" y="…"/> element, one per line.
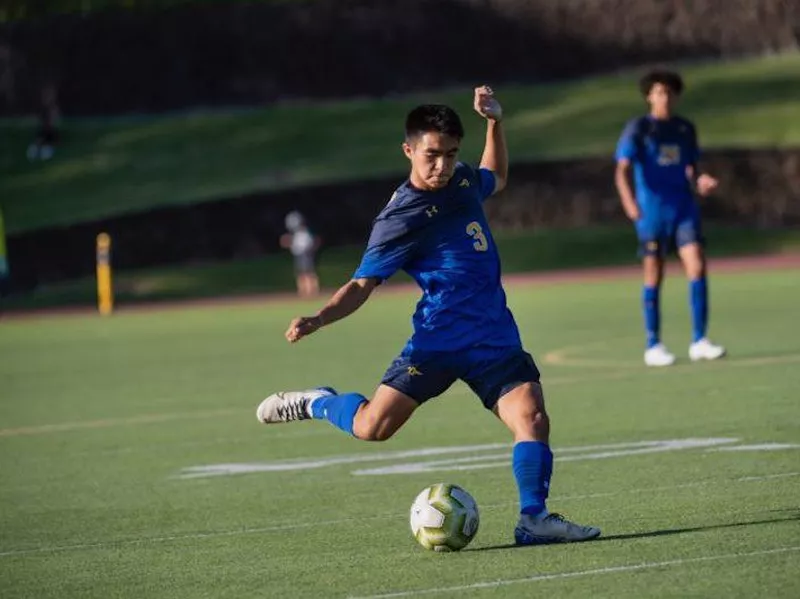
<point x="414" y="371"/>
<point x="431" y="211"/>
<point x="463" y="183"/>
<point x="651" y="246"/>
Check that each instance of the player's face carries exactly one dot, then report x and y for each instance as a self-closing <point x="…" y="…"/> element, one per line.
<point x="662" y="99"/>
<point x="433" y="159"/>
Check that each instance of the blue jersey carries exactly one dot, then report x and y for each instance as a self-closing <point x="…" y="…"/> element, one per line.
<point x="660" y="152"/>
<point x="442" y="239"/>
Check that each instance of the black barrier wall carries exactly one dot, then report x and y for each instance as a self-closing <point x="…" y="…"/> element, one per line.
<point x="223" y="53"/>
<point x="759" y="188"/>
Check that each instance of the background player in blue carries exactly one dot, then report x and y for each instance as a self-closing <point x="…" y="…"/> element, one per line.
<point x="434" y="228"/>
<point x="661" y="148"/>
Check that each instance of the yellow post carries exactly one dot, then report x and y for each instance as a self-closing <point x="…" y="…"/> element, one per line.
<point x="3" y="256"/>
<point x="105" y="293"/>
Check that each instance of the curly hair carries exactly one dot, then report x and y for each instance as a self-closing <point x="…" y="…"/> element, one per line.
<point x="670" y="79"/>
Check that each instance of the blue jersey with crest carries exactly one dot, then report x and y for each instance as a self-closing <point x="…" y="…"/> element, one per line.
<point x="660" y="152"/>
<point x="442" y="239"/>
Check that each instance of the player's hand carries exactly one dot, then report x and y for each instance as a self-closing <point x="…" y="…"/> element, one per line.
<point x="706" y="184"/>
<point x="633" y="212"/>
<point x="486" y="104"/>
<point x="302" y="327"/>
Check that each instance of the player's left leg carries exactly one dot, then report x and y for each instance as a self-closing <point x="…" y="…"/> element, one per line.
<point x="690" y="249"/>
<point x="313" y="284"/>
<point x="411" y="380"/>
<point x="376" y="419"/>
<point x="510" y="387"/>
<point x="652" y="251"/>
<point x="300" y="285"/>
<point x="304" y="285"/>
<point x="300" y="270"/>
<point x="308" y="282"/>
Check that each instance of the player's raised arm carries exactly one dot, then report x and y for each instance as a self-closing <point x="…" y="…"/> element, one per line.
<point x="350" y="297"/>
<point x="495" y="151"/>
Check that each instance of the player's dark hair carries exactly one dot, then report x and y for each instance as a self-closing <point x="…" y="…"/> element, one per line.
<point x="670" y="79"/>
<point x="433" y="118"/>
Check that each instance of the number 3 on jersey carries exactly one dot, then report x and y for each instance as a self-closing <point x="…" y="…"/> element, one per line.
<point x="475" y="231"/>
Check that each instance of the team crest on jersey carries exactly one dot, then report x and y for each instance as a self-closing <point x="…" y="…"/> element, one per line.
<point x="431" y="211"/>
<point x="463" y="183"/>
<point x="669" y="154"/>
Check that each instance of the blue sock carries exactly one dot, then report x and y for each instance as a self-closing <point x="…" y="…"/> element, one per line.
<point x="339" y="410"/>
<point x="698" y="298"/>
<point x="652" y="315"/>
<point x="532" y="462"/>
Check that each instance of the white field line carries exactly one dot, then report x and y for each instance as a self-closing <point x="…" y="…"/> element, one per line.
<point x="760" y="447"/>
<point x="501" y="460"/>
<point x="699" y="483"/>
<point x="491" y="584"/>
<point x="450" y="463"/>
<point x="318" y="523"/>
<point x="315" y="463"/>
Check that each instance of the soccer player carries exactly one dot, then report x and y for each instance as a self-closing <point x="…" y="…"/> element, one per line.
<point x="434" y="228"/>
<point x="661" y="149"/>
<point x="303" y="245"/>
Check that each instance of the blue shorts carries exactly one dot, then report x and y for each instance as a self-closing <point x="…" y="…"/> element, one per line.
<point x="490" y="372"/>
<point x="657" y="237"/>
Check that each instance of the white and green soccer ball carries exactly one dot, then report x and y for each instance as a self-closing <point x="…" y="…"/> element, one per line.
<point x="444" y="517"/>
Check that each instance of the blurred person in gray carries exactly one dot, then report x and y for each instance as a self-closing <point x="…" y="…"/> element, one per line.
<point x="303" y="245"/>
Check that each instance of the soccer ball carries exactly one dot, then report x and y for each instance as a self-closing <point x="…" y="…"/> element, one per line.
<point x="444" y="517"/>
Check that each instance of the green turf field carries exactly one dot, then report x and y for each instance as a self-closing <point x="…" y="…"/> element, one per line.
<point x="111" y="166"/>
<point x="109" y="429"/>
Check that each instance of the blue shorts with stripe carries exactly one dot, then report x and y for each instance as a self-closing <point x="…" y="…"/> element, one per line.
<point x="490" y="372"/>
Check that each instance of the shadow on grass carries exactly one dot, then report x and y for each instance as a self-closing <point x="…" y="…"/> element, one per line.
<point x="663" y="532"/>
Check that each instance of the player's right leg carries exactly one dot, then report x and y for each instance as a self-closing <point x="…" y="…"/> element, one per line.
<point x="522" y="411"/>
<point x="507" y="381"/>
<point x="652" y="252"/>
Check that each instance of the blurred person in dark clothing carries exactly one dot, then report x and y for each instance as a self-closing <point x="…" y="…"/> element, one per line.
<point x="43" y="146"/>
